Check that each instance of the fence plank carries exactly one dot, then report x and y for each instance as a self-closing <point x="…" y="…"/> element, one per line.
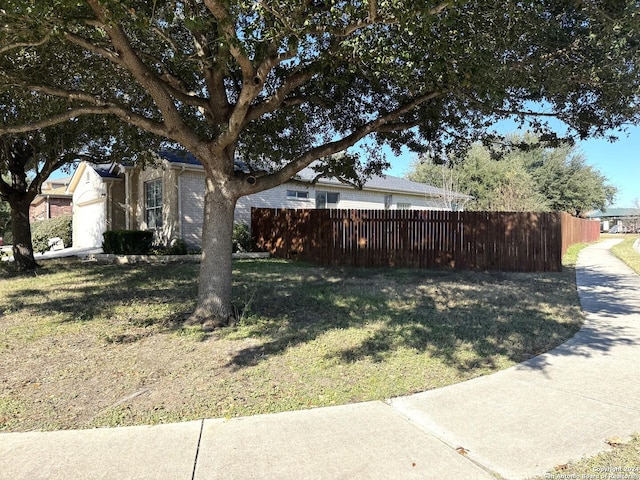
<point x="420" y="238"/>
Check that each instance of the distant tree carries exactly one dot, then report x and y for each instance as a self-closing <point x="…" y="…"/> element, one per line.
<point x="285" y="83"/>
<point x="568" y="183"/>
<point x="523" y="174"/>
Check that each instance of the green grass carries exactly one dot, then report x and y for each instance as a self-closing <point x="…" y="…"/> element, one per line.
<point x="625" y="252"/>
<point x="85" y="345"/>
<point x="620" y="460"/>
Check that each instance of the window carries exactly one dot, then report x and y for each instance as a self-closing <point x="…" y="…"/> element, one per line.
<point x="297" y="194"/>
<point x="153" y="203"/>
<point x="327" y="199"/>
<point x="388" y="201"/>
<point x="404" y="206"/>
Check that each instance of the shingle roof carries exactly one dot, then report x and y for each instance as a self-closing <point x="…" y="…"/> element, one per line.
<point x="107" y="170"/>
<point x="379" y="182"/>
<point x="181" y="157"/>
<point x="383" y="182"/>
<point x="177" y="156"/>
<point x="615" y="212"/>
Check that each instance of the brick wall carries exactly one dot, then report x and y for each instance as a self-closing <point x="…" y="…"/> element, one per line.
<point x="43" y="208"/>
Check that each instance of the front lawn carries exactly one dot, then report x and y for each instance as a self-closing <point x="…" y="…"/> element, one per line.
<point x="85" y="345"/>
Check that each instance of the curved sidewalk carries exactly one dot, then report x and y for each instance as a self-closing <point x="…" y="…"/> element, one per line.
<point x="552" y="409"/>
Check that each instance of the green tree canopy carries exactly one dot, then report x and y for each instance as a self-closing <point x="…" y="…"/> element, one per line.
<point x="523" y="174"/>
<point x="283" y="83"/>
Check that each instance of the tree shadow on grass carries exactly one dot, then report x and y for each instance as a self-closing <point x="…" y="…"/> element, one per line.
<point x="465" y="319"/>
<point x="134" y="294"/>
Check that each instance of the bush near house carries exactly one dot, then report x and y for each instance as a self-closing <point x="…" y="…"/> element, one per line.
<point x="127" y="242"/>
<point x="241" y="238"/>
<point x="42" y="231"/>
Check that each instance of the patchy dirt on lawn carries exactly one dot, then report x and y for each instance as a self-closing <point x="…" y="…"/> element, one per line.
<point x="85" y="345"/>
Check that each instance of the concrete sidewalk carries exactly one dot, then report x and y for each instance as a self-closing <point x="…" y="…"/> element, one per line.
<point x="517" y="423"/>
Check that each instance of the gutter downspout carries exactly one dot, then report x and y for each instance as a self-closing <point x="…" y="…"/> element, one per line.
<point x="127" y="200"/>
<point x="179" y="186"/>
<point x="109" y="206"/>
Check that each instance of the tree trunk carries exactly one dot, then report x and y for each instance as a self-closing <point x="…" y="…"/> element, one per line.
<point x="21" y="229"/>
<point x="214" y="286"/>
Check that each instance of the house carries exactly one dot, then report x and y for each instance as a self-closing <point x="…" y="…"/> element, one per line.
<point x="169" y="198"/>
<point x="52" y="201"/>
<point x="624" y="219"/>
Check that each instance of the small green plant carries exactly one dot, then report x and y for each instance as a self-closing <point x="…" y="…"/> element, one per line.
<point x="241" y="238"/>
<point x="58" y="227"/>
<point x="178" y="247"/>
<point x="127" y="242"/>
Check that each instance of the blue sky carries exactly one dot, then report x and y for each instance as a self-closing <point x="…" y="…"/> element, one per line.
<point x="618" y="161"/>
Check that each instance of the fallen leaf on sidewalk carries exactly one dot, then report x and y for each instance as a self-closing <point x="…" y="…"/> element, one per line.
<point x="462" y="450"/>
<point x="614" y="441"/>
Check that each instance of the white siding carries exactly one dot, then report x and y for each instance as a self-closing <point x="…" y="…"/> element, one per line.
<point x="89" y="210"/>
<point x="273" y="198"/>
<point x="349" y="198"/>
<point x="191" y="202"/>
<point x="365" y="199"/>
<point x="191" y="207"/>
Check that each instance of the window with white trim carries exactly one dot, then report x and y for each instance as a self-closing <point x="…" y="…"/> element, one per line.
<point x="327" y="199"/>
<point x="153" y="203"/>
<point x="404" y="206"/>
<point x="297" y="194"/>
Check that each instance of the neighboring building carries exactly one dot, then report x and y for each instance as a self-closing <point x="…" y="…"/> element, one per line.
<point x="169" y="198"/>
<point x="52" y="201"/>
<point x="99" y="202"/>
<point x="624" y="219"/>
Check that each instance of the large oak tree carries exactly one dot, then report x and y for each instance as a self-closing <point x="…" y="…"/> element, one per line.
<point x="282" y="83"/>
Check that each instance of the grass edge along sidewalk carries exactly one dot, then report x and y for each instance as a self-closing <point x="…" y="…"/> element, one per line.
<point x="621" y="459"/>
<point x="79" y="344"/>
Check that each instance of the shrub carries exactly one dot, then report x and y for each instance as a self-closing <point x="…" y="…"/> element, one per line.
<point x="241" y="238"/>
<point x="176" y="247"/>
<point x="42" y="231"/>
<point x="127" y="242"/>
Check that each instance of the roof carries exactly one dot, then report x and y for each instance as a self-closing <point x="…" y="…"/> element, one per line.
<point x="107" y="170"/>
<point x="187" y="158"/>
<point x="55" y="188"/>
<point x="386" y="183"/>
<point x="177" y="156"/>
<point x="615" y="213"/>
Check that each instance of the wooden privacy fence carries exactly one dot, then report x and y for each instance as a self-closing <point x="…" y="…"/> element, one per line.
<point x="523" y="242"/>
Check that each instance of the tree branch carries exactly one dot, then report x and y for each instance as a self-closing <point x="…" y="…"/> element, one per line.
<point x="227" y="28"/>
<point x="293" y="167"/>
<point x="273" y="102"/>
<point x="13" y="46"/>
<point x="149" y="80"/>
<point x="87" y="45"/>
<point x="125" y="115"/>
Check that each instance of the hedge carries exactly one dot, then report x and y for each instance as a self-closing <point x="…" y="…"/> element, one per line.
<point x="127" y="242"/>
<point x="43" y="230"/>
